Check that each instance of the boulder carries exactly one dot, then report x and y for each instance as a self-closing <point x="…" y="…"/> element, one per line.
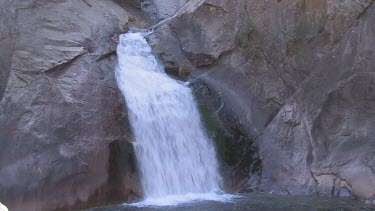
<point x="167" y="8"/>
<point x="60" y="110"/>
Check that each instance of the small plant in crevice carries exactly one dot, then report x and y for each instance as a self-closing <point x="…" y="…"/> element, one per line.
<point x="243" y="39"/>
<point x="250" y="27"/>
<point x="247" y="52"/>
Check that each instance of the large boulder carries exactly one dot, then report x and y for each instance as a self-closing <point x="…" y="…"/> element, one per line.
<point x="298" y="75"/>
<point x="167" y="8"/>
<point x="61" y="115"/>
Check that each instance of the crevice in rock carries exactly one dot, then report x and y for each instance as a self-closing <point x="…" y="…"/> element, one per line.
<point x="86" y="2"/>
<point x="106" y="55"/>
<point x="215" y="6"/>
<point x="215" y="61"/>
<point x="182" y="10"/>
<point x="337" y="179"/>
<point x="351" y="25"/>
<point x="60" y="67"/>
<point x="364" y="10"/>
<point x="313" y="176"/>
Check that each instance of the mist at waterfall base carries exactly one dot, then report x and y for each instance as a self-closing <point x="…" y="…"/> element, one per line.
<point x="175" y="157"/>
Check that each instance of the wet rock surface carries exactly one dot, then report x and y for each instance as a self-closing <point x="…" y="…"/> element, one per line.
<point x="235" y="149"/>
<point x="298" y="75"/>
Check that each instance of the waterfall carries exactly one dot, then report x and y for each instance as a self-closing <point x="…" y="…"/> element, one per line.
<point x="176" y="159"/>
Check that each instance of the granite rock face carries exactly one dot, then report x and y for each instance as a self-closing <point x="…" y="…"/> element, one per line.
<point x="290" y="85"/>
<point x="61" y="113"/>
<point x="299" y="77"/>
<point x="7" y="33"/>
<point x="167" y="8"/>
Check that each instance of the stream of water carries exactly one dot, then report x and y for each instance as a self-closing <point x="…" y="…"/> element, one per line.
<point x="176" y="159"/>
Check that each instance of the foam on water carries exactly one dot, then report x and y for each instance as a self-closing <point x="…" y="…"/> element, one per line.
<point x="175" y="157"/>
<point x="174" y="200"/>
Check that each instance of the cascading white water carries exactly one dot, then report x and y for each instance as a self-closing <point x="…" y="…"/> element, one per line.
<point x="175" y="156"/>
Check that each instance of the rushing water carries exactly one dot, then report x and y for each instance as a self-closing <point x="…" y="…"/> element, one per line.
<point x="176" y="159"/>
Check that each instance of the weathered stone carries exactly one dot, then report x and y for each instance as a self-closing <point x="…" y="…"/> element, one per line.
<point x="295" y="76"/>
<point x="332" y="107"/>
<point x="238" y="156"/>
<point x="61" y="108"/>
<point x="7" y="37"/>
<point x="207" y="32"/>
<point x="167" y="8"/>
<point x="299" y="77"/>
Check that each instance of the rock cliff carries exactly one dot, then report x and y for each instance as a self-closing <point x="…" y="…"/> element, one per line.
<point x="62" y="122"/>
<point x="287" y="89"/>
<point x="298" y="75"/>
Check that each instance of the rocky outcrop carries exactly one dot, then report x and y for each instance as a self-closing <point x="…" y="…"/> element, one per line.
<point x="61" y="114"/>
<point x="298" y="75"/>
<point x="167" y="8"/>
<point x="285" y="87"/>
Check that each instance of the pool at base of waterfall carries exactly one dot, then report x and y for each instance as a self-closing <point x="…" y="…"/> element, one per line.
<point x="248" y="201"/>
